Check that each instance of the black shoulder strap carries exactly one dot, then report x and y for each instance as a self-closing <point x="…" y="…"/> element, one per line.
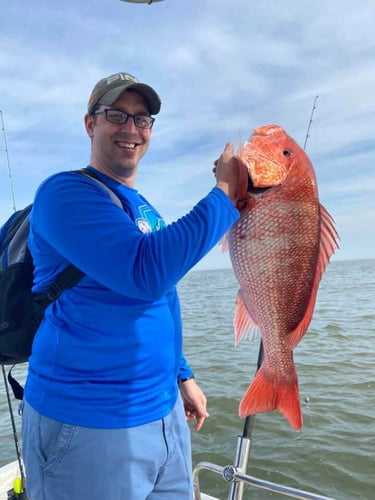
<point x="68" y="277"/>
<point x="90" y="173"/>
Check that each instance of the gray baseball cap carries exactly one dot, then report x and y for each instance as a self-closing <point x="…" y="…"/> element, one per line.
<point x="107" y="90"/>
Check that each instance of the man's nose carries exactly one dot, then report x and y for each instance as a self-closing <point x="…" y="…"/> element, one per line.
<point x="129" y="125"/>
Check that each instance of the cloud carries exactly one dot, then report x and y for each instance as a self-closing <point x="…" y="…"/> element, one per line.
<point x="220" y="69"/>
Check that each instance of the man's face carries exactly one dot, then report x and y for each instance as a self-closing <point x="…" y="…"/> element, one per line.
<point x="118" y="148"/>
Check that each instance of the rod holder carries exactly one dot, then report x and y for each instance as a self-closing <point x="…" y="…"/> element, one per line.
<point x="240" y="465"/>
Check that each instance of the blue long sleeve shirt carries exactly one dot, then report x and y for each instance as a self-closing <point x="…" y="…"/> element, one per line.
<point x="109" y="350"/>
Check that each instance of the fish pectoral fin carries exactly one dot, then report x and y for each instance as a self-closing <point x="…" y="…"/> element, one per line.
<point x="329" y="239"/>
<point x="265" y="394"/>
<point x="244" y="326"/>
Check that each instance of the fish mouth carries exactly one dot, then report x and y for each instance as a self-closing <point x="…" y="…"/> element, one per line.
<point x="260" y="154"/>
<point x="249" y="180"/>
<point x="257" y="178"/>
<point x="264" y="172"/>
<point x="251" y="188"/>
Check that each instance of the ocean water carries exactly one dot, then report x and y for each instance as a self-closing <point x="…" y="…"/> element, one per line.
<point x="334" y="453"/>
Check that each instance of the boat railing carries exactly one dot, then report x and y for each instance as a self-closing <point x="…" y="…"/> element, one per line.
<point x="238" y="478"/>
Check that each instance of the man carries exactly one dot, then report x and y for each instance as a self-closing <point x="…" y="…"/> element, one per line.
<point x="103" y="414"/>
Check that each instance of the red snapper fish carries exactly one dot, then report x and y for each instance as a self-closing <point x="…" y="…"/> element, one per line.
<point x="279" y="250"/>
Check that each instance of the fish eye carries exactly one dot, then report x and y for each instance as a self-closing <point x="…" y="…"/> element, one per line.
<point x="287" y="152"/>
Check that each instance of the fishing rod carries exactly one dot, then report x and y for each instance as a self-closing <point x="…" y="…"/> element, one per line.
<point x="18" y="489"/>
<point x="310" y="122"/>
<point x="8" y="162"/>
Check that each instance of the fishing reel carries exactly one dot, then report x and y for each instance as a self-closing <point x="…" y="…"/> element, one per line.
<point x="17" y="492"/>
<point x="17" y="496"/>
<point x="12" y="495"/>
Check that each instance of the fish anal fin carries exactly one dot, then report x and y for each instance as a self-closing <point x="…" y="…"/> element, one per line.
<point x="265" y="394"/>
<point x="328" y="244"/>
<point x="244" y="326"/>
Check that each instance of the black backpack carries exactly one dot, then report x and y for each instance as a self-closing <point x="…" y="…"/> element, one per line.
<point x="21" y="311"/>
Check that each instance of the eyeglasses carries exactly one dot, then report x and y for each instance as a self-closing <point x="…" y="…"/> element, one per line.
<point x="117" y="116"/>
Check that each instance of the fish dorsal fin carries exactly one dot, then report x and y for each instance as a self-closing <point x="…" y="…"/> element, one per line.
<point x="244" y="326"/>
<point x="224" y="243"/>
<point x="328" y="244"/>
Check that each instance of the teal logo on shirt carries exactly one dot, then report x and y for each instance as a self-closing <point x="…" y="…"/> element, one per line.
<point x="149" y="221"/>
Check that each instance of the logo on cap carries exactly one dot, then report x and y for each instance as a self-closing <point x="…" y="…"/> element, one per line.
<point x="121" y="76"/>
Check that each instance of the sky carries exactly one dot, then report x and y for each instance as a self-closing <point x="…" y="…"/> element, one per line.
<point x="221" y="69"/>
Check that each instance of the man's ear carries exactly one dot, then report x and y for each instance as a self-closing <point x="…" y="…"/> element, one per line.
<point x="89" y="124"/>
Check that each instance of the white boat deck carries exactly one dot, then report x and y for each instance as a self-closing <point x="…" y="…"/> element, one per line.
<point x="7" y="475"/>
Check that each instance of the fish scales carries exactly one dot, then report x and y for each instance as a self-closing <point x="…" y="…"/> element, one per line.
<point x="279" y="249"/>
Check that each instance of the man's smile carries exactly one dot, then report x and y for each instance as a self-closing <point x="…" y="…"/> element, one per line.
<point x="127" y="145"/>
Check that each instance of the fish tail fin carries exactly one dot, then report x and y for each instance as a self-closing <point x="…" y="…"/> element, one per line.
<point x="265" y="395"/>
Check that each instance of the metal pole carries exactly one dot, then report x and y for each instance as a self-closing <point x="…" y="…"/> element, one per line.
<point x="243" y="446"/>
